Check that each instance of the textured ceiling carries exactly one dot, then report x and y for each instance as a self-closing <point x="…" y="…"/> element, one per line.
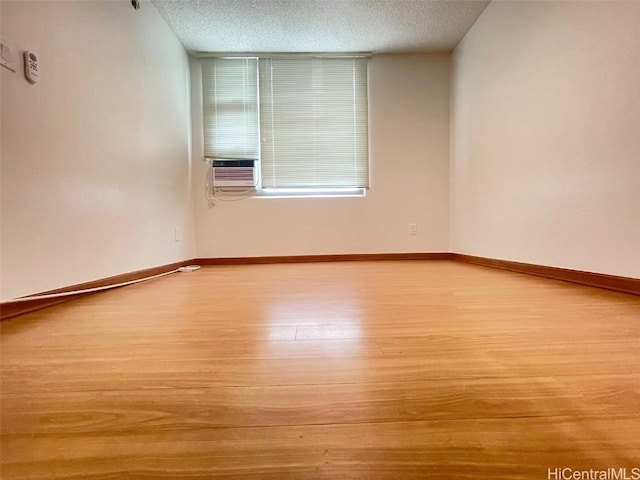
<point x="320" y="25"/>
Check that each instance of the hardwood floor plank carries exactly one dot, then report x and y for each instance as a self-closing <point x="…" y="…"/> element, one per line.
<point x="135" y="411"/>
<point x="445" y="448"/>
<point x="175" y="373"/>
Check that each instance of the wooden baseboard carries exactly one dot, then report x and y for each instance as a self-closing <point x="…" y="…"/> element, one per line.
<point x="599" y="280"/>
<point x="609" y="282"/>
<point x="10" y="310"/>
<point x="349" y="257"/>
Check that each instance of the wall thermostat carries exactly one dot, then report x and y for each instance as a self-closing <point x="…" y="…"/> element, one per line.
<point x="31" y="66"/>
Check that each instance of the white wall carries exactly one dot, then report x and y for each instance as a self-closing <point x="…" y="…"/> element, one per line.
<point x="409" y="149"/>
<point x="95" y="156"/>
<point x="546" y="136"/>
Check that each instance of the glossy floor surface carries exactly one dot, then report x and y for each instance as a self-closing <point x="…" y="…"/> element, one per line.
<point x="367" y="370"/>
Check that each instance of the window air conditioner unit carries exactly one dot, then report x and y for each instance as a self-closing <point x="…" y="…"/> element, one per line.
<point x="234" y="173"/>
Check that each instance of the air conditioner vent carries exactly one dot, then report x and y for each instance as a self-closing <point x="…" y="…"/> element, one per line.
<point x="234" y="173"/>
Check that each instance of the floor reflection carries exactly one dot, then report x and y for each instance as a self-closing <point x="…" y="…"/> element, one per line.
<point x="315" y="319"/>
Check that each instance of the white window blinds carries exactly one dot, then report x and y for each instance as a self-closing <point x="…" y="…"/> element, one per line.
<point x="230" y="108"/>
<point x="306" y="119"/>
<point x="313" y="120"/>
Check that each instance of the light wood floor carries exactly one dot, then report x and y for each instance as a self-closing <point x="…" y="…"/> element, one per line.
<point x="368" y="370"/>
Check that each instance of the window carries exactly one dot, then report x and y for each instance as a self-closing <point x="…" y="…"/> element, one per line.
<point x="305" y="120"/>
<point x="230" y="105"/>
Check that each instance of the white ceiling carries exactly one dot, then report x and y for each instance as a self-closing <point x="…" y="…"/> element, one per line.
<point x="320" y="25"/>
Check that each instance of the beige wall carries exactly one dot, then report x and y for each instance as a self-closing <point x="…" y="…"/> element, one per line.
<point x="409" y="149"/>
<point x="95" y="156"/>
<point x="546" y="136"/>
<point x="545" y="154"/>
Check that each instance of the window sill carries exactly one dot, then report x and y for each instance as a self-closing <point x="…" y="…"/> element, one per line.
<point x="309" y="192"/>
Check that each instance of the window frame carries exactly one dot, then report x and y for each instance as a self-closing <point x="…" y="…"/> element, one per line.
<point x="261" y="192"/>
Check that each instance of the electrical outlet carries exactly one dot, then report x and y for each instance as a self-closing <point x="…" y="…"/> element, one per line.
<point x="413" y="229"/>
<point x="176" y="234"/>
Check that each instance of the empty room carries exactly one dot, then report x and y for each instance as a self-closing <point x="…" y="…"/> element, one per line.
<point x="320" y="239"/>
